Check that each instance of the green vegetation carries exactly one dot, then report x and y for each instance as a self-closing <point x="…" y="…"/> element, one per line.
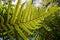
<point x="30" y="23"/>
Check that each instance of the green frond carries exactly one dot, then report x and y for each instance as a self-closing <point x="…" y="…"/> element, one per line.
<point x="20" y="32"/>
<point x="22" y="20"/>
<point x="16" y="11"/>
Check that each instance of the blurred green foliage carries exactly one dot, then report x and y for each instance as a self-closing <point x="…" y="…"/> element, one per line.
<point x="29" y="23"/>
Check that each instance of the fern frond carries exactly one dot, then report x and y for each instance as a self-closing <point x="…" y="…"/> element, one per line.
<point x="24" y="21"/>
